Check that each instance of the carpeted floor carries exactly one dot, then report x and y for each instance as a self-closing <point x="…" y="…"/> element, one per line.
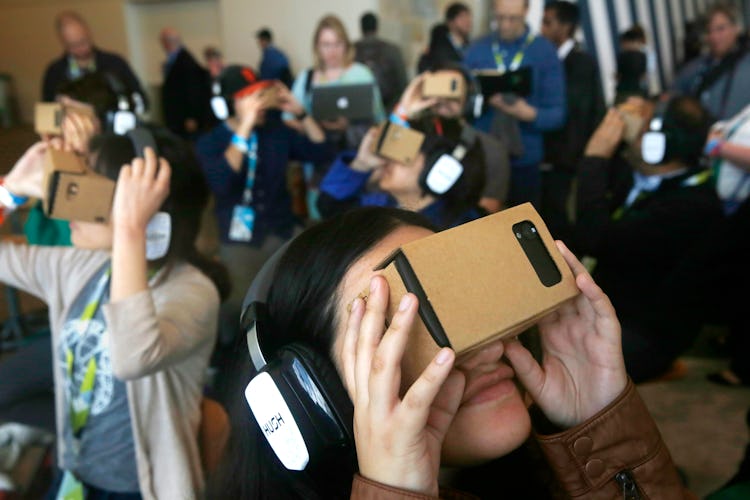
<point x="702" y="423"/>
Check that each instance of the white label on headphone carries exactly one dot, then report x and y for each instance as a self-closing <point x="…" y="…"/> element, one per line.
<point x="140" y="106"/>
<point x="478" y="105"/>
<point x="653" y="147"/>
<point x="158" y="234"/>
<point x="276" y="422"/>
<point x="219" y="107"/>
<point x="444" y="174"/>
<point x="124" y="122"/>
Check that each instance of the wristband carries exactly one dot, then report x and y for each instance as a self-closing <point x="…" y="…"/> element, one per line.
<point x="240" y="143"/>
<point x="713" y="148"/>
<point x="9" y="200"/>
<point x="301" y="116"/>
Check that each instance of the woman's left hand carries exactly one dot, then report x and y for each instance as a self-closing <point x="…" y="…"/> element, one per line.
<point x="582" y="369"/>
<point x="141" y="189"/>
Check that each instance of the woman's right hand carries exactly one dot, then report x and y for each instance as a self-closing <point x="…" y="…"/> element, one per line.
<point x="26" y="178"/>
<point x="398" y="439"/>
<point x="248" y="108"/>
<point x="366" y="160"/>
<point x="412" y="101"/>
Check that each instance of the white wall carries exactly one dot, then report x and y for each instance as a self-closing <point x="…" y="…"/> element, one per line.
<point x="292" y="22"/>
<point x="196" y="20"/>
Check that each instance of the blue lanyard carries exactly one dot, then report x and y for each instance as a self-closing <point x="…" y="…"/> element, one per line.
<point x="517" y="59"/>
<point x="252" y="166"/>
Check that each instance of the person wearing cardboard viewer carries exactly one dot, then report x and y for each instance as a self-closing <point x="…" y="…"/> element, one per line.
<point x="133" y="312"/>
<point x="441" y="100"/>
<point x="587" y="416"/>
<point x="408" y="180"/>
<point x="245" y="159"/>
<point x="644" y="201"/>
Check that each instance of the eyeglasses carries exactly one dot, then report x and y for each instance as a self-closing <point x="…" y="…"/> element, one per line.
<point x="501" y="18"/>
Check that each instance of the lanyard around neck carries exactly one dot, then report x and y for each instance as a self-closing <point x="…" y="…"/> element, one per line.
<point x="515" y="63"/>
<point x="80" y="404"/>
<point x="252" y="167"/>
<point x="696" y="179"/>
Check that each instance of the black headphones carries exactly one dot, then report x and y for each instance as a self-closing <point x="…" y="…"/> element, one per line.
<point x="124" y="119"/>
<point x="297" y="396"/>
<point x="443" y="167"/>
<point x="159" y="228"/>
<point x="664" y="140"/>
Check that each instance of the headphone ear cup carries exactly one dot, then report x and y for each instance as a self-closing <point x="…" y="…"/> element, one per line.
<point x="329" y="384"/>
<point x="220" y="107"/>
<point x="429" y="162"/>
<point x="654" y="147"/>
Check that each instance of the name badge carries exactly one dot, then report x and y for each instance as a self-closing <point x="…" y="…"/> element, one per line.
<point x="243" y="221"/>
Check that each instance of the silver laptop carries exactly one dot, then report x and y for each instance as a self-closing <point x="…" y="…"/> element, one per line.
<point x="353" y="102"/>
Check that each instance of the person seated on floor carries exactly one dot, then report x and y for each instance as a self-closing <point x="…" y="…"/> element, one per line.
<point x="408" y="185"/>
<point x="640" y="208"/>
<point x="133" y="311"/>
<point x="458" y="413"/>
<point x="447" y="116"/>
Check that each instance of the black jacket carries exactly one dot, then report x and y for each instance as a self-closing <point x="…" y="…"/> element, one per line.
<point x="638" y="250"/>
<point x="57" y="74"/>
<point x="185" y="94"/>
<point x="585" y="104"/>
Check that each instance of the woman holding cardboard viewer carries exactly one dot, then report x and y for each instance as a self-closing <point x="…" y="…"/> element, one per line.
<point x="589" y="420"/>
<point x="133" y="324"/>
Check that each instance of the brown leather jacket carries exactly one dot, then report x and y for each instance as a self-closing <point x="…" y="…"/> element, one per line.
<point x="617" y="451"/>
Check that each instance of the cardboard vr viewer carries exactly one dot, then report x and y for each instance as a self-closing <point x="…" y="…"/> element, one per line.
<point x="48" y="116"/>
<point x="447" y="84"/>
<point x="398" y="143"/>
<point x="486" y="280"/>
<point x="73" y="192"/>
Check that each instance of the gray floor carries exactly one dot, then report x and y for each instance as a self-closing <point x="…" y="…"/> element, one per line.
<point x="702" y="423"/>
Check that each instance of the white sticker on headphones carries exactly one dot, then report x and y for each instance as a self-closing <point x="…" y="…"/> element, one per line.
<point x="219" y="107"/>
<point x="158" y="235"/>
<point x="653" y="147"/>
<point x="276" y="422"/>
<point x="444" y="174"/>
<point x="123" y="122"/>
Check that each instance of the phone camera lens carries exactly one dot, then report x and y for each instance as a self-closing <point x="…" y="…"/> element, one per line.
<point x="529" y="232"/>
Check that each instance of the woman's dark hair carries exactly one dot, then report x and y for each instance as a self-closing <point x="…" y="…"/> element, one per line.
<point x="466" y="192"/>
<point x="95" y="89"/>
<point x="302" y="308"/>
<point x="188" y="195"/>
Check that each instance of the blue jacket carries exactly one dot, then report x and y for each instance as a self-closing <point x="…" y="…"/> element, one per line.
<point x="547" y="90"/>
<point x="277" y="144"/>
<point x="343" y="188"/>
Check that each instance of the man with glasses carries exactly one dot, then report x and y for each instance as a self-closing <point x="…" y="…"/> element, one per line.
<point x="720" y="78"/>
<point x="510" y="48"/>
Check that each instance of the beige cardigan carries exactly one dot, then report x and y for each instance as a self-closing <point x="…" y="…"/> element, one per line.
<point x="160" y="343"/>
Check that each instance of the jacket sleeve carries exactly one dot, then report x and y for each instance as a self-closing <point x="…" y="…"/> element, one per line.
<point x="550" y="98"/>
<point x="342" y="187"/>
<point x="162" y="326"/>
<point x="38" y="270"/>
<point x="365" y="489"/>
<point x="618" y="448"/>
<point x="220" y="176"/>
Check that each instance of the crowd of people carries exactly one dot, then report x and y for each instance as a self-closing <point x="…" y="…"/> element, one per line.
<point x="650" y="193"/>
